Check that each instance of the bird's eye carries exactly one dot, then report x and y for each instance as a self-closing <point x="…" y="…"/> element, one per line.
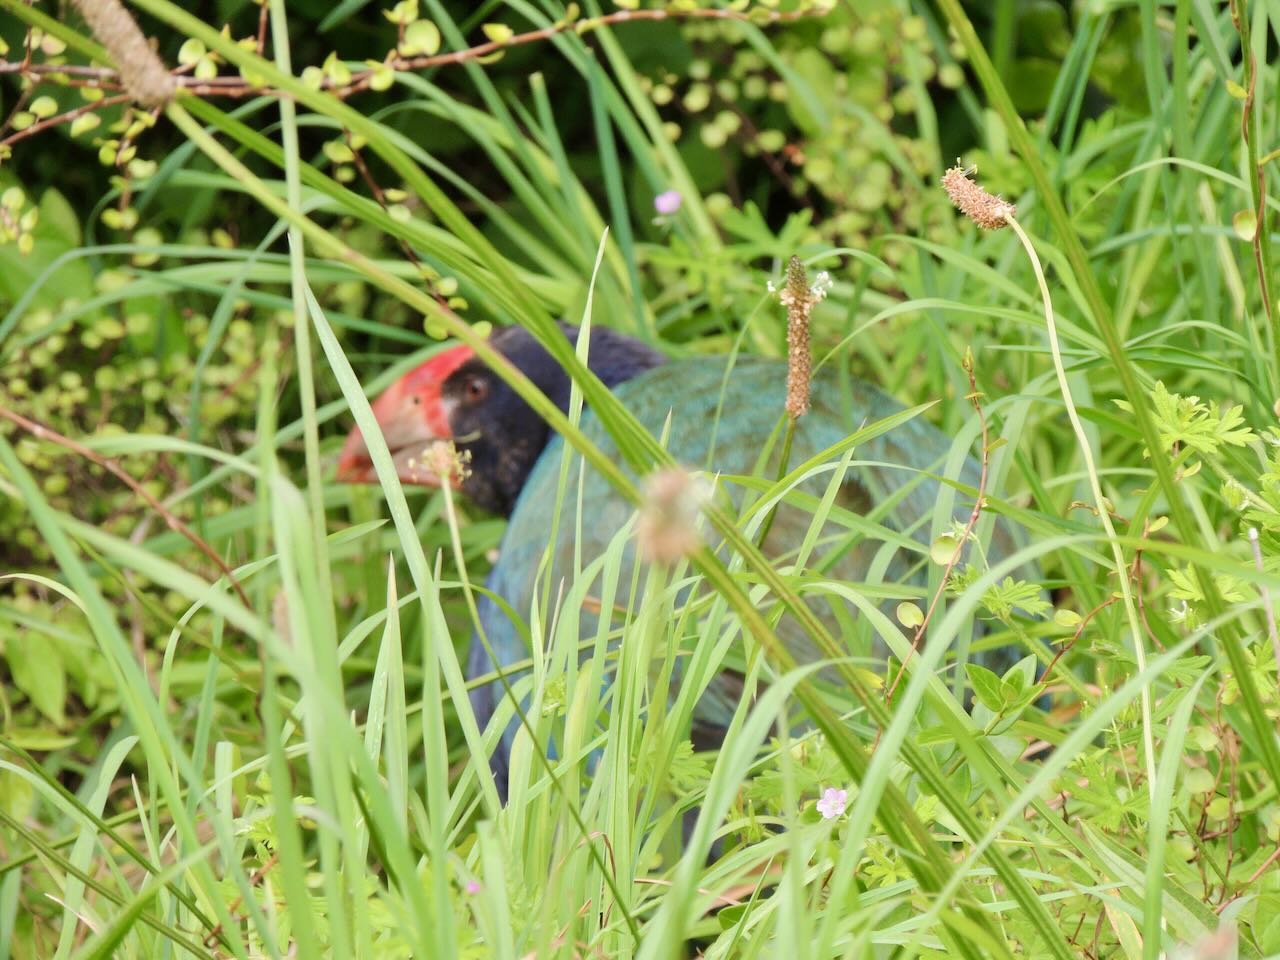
<point x="475" y="389"/>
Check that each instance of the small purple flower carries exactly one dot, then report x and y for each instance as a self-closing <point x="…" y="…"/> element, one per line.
<point x="473" y="887"/>
<point x="667" y="202"/>
<point x="832" y="803"/>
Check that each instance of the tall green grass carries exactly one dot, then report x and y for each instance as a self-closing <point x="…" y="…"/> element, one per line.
<point x="305" y="777"/>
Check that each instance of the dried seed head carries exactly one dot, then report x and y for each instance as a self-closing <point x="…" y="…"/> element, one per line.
<point x="986" y="210"/>
<point x="667" y="529"/>
<point x="800" y="298"/>
<point x="443" y="461"/>
<point x="143" y="74"/>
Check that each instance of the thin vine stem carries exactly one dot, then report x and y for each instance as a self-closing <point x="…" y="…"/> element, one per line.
<point x="974" y="398"/>
<point x="1258" y="182"/>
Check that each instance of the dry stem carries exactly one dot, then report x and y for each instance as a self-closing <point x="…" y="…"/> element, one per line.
<point x="141" y="74"/>
<point x="974" y="398"/>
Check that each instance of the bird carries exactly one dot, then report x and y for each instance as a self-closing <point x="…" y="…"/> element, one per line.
<point x="717" y="413"/>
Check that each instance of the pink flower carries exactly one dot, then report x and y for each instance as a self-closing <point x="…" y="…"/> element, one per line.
<point x="832" y="803"/>
<point x="473" y="887"/>
<point x="667" y="202"/>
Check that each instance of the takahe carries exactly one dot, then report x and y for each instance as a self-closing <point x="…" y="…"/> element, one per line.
<point x="718" y="422"/>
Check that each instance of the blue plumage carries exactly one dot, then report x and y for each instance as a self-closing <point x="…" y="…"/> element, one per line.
<point x="723" y="424"/>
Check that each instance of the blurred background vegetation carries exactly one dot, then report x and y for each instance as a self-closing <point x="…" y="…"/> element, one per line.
<point x="824" y="136"/>
<point x="157" y="286"/>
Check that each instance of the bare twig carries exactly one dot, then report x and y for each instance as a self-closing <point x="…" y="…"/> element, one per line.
<point x="975" y="399"/>
<point x="1075" y="637"/>
<point x="125" y="143"/>
<point x="67" y="117"/>
<point x="381" y="198"/>
<point x="1134" y="574"/>
<point x="230" y="86"/>
<point x="1266" y="865"/>
<point x="70" y="69"/>
<point x="254" y="879"/>
<point x="263" y="16"/>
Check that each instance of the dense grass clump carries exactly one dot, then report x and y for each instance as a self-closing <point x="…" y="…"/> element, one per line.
<point x="233" y="718"/>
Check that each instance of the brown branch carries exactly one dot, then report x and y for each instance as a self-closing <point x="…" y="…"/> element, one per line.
<point x="27" y="50"/>
<point x="361" y="79"/>
<point x="262" y="29"/>
<point x="62" y="118"/>
<point x="231" y="86"/>
<point x="19" y="105"/>
<point x="125" y="143"/>
<point x="974" y="398"/>
<point x="248" y="372"/>
<point x="71" y="69"/>
<point x="42" y="432"/>
<point x="381" y="198"/>
<point x="748" y="132"/>
<point x="1135" y="575"/>
<point x="1232" y="799"/>
<point x="1063" y="650"/>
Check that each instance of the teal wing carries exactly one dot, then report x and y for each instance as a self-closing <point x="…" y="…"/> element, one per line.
<point x="727" y="426"/>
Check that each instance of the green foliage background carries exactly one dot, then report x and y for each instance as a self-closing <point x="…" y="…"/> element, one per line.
<point x="181" y="773"/>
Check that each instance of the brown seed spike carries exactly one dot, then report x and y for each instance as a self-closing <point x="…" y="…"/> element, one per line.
<point x="144" y="76"/>
<point x="799" y="298"/>
<point x="986" y="210"/>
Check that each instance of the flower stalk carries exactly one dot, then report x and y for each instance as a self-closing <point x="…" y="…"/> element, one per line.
<point x="979" y="205"/>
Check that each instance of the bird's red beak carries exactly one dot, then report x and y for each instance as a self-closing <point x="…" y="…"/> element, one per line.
<point x="411" y="414"/>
